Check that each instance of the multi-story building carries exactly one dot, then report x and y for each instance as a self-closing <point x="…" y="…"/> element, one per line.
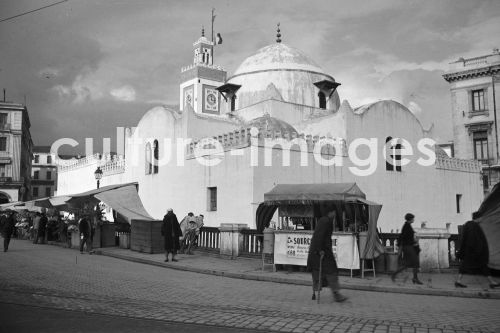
<point x="15" y="152"/>
<point x="474" y="94"/>
<point x="44" y="173"/>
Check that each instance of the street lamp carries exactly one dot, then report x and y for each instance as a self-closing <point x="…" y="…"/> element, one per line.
<point x="98" y="175"/>
<point x="22" y="191"/>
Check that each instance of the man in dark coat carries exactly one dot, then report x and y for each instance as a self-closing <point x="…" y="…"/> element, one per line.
<point x="42" y="226"/>
<point x="85" y="227"/>
<point x="474" y="254"/>
<point x="321" y="253"/>
<point x="8" y="229"/>
<point x="171" y="231"/>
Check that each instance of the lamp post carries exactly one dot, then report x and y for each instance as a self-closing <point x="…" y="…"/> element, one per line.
<point x="98" y="175"/>
<point x="22" y="191"/>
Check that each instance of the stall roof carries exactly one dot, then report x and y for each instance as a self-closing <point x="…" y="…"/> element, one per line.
<point x="125" y="201"/>
<point x="309" y="193"/>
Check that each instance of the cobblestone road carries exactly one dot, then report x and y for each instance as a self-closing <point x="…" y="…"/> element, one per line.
<point x="54" y="277"/>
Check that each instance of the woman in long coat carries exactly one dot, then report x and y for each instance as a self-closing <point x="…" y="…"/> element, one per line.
<point x="171" y="231"/>
<point x="321" y="246"/>
<point x="409" y="245"/>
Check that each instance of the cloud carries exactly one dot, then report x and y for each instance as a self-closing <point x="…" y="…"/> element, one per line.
<point x="125" y="94"/>
<point x="81" y="91"/>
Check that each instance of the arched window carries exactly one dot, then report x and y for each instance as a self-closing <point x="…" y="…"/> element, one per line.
<point x="322" y="100"/>
<point x="147" y="158"/>
<point x="233" y="102"/>
<point x="397" y="156"/>
<point x="393" y="154"/>
<point x="389" y="154"/>
<point x="155" y="156"/>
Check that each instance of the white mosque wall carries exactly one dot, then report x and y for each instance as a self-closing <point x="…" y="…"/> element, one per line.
<point x="426" y="191"/>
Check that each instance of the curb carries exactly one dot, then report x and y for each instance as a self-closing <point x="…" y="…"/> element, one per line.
<point x="352" y="286"/>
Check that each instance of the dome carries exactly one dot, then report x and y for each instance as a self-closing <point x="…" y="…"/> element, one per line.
<point x="291" y="74"/>
<point x="278" y="56"/>
<point x="267" y="123"/>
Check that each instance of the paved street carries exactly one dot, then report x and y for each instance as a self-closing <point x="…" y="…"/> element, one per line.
<point x="51" y="277"/>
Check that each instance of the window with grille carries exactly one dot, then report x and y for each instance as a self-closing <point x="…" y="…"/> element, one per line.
<point x="37" y="158"/>
<point x="36" y="174"/>
<point x="478" y="100"/>
<point x="2" y="170"/>
<point x="3" y="119"/>
<point x="35" y="191"/>
<point x="49" y="159"/>
<point x="480" y="140"/>
<point x="48" y="192"/>
<point x="212" y="198"/>
<point x="49" y="175"/>
<point x="3" y="143"/>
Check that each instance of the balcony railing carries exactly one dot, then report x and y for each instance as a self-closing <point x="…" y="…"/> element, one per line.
<point x="5" y="179"/>
<point x="5" y="126"/>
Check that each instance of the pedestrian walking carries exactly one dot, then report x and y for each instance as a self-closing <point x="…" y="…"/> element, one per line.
<point x="171" y="232"/>
<point x="42" y="227"/>
<point x="36" y="226"/>
<point x="474" y="255"/>
<point x="184" y="224"/>
<point x="8" y="230"/>
<point x="85" y="227"/>
<point x="321" y="247"/>
<point x="409" y="249"/>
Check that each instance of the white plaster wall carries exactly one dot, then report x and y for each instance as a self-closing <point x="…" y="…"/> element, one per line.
<point x="424" y="191"/>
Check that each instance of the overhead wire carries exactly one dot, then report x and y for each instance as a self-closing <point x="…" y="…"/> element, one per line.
<point x="31" y="11"/>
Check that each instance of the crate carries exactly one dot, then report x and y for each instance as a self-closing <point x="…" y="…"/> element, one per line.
<point x="145" y="236"/>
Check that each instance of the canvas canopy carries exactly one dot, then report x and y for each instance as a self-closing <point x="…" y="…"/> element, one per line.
<point x="488" y="218"/>
<point x="311" y="193"/>
<point x="319" y="195"/>
<point x="123" y="198"/>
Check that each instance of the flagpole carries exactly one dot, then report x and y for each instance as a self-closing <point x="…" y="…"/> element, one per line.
<point x="213" y="45"/>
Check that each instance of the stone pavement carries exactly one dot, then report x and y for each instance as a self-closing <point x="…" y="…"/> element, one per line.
<point x="436" y="283"/>
<point x="58" y="278"/>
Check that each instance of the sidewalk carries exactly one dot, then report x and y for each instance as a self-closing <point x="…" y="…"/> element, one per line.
<point x="438" y="284"/>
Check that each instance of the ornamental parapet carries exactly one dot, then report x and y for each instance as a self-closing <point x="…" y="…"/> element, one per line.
<point x="187" y="68"/>
<point x="486" y="65"/>
<point x="450" y="163"/>
<point x="109" y="164"/>
<point x="245" y="137"/>
<point x="113" y="167"/>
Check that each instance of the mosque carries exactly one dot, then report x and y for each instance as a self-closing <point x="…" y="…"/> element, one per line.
<point x="278" y="119"/>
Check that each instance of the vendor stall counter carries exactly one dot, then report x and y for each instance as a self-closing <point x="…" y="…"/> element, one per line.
<point x="291" y="247"/>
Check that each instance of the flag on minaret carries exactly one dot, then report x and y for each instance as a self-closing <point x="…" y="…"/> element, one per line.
<point x="218" y="40"/>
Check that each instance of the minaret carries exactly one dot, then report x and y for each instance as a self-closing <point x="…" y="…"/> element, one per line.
<point x="199" y="80"/>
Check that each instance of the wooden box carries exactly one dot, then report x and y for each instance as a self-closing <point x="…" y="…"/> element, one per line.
<point x="108" y="235"/>
<point x="145" y="236"/>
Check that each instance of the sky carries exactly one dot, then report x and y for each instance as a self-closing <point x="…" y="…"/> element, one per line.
<point x="86" y="67"/>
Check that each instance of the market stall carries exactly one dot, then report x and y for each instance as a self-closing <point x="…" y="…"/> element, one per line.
<point x="300" y="206"/>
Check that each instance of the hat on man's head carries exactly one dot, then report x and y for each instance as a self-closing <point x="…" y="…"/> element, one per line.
<point x="170" y="210"/>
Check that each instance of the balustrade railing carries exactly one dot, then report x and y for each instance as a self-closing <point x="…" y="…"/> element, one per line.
<point x="252" y="242"/>
<point x="209" y="239"/>
<point x="389" y="240"/>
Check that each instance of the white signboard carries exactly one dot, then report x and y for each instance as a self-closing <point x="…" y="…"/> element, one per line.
<point x="292" y="248"/>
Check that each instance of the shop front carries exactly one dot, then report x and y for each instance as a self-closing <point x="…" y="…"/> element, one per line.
<point x="299" y="206"/>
